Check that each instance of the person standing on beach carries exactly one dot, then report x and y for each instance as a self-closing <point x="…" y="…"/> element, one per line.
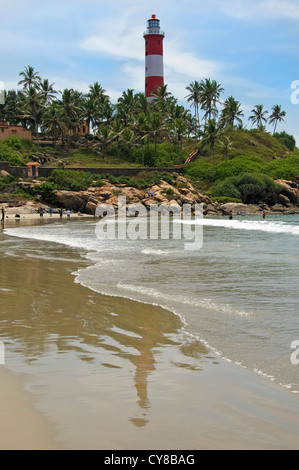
<point x="2" y="215"/>
<point x="41" y="212"/>
<point x="50" y="211"/>
<point x="68" y="213"/>
<point x="231" y="214"/>
<point x="60" y="212"/>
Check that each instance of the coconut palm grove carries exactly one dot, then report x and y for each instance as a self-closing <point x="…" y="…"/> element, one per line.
<point x="229" y="152"/>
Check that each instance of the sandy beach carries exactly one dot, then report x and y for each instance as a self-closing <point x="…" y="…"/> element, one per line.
<point x="72" y="381"/>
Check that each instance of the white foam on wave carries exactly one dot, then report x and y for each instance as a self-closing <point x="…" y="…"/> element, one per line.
<point x="254" y="225"/>
<point x="52" y="236"/>
<point x="153" y="251"/>
<point x="178" y="299"/>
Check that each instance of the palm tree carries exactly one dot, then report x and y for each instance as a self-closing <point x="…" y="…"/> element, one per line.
<point x="162" y="100"/>
<point x="142" y="104"/>
<point x="91" y="113"/>
<point x="30" y="77"/>
<point x="231" y="112"/>
<point x="142" y="131"/>
<point x="276" y="116"/>
<point x="258" y="116"/>
<point x="156" y="126"/>
<point x="33" y="107"/>
<point x="53" y="122"/>
<point x="10" y="111"/>
<point x="179" y="127"/>
<point x="194" y="97"/>
<point x="210" y="138"/>
<point x="125" y="107"/>
<point x="106" y="136"/>
<point x="227" y="144"/>
<point x="117" y="129"/>
<point x="128" y="140"/>
<point x="71" y="103"/>
<point x="47" y="90"/>
<point x="96" y="91"/>
<point x="210" y="92"/>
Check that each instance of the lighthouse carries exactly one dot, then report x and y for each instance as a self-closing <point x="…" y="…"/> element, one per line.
<point x="154" y="74"/>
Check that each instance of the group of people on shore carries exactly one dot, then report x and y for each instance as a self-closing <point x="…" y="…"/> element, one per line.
<point x="41" y="212"/>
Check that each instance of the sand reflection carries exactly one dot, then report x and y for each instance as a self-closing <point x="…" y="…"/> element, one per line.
<point x="45" y="315"/>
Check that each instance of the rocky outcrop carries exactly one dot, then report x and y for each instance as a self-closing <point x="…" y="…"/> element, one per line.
<point x="289" y="193"/>
<point x="181" y="192"/>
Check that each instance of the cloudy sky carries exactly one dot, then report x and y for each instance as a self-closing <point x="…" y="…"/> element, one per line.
<point x="251" y="47"/>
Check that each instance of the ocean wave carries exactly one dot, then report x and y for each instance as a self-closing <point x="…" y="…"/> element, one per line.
<point x="254" y="225"/>
<point x="153" y="251"/>
<point x="178" y="299"/>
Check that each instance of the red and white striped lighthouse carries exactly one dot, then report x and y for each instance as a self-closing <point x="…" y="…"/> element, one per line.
<point x="154" y="74"/>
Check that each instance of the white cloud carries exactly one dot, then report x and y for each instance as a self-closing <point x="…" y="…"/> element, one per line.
<point x="261" y="9"/>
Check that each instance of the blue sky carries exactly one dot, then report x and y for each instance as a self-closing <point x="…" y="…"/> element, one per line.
<point x="251" y="47"/>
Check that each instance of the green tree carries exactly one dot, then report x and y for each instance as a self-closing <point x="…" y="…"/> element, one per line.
<point x="179" y="128"/>
<point x="53" y="121"/>
<point x="258" y="116"/>
<point x="72" y="105"/>
<point x="211" y="137"/>
<point x="194" y="97"/>
<point x="226" y="144"/>
<point x="33" y="107"/>
<point x="210" y="91"/>
<point x="276" y="116"/>
<point x="231" y="112"/>
<point x="47" y="90"/>
<point x="30" y="77"/>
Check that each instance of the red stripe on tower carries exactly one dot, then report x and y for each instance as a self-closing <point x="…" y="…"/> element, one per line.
<point x="154" y="73"/>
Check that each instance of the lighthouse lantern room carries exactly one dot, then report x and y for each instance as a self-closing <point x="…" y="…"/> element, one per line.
<point x="154" y="73"/>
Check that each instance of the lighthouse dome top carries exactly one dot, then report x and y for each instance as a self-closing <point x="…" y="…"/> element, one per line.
<point x="153" y="27"/>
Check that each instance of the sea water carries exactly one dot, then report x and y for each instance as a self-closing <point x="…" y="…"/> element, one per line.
<point x="237" y="293"/>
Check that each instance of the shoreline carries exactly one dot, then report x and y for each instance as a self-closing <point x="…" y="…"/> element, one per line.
<point x="23" y="427"/>
<point x="224" y="395"/>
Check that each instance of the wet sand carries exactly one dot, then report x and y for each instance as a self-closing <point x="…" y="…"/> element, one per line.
<point x="86" y="371"/>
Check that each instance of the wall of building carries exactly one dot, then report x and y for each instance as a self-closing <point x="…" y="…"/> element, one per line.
<point x="10" y="131"/>
<point x="19" y="171"/>
<point x="22" y="171"/>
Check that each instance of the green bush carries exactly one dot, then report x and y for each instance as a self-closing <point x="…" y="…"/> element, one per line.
<point x="14" y="143"/>
<point x="226" y="188"/>
<point x="47" y="191"/>
<point x="199" y="170"/>
<point x="285" y="139"/>
<point x="284" y="168"/>
<point x="251" y="188"/>
<point x="71" y="180"/>
<point x="256" y="188"/>
<point x="7" y="154"/>
<point x="224" y="200"/>
<point x="5" y="181"/>
<point x="240" y="164"/>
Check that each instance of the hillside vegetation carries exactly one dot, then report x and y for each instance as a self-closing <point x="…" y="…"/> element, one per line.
<point x="232" y="161"/>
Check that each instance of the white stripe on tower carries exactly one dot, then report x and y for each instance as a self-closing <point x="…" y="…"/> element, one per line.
<point x="154" y="66"/>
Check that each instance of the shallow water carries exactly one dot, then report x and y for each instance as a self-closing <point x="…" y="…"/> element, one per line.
<point x="238" y="294"/>
<point x="235" y="299"/>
